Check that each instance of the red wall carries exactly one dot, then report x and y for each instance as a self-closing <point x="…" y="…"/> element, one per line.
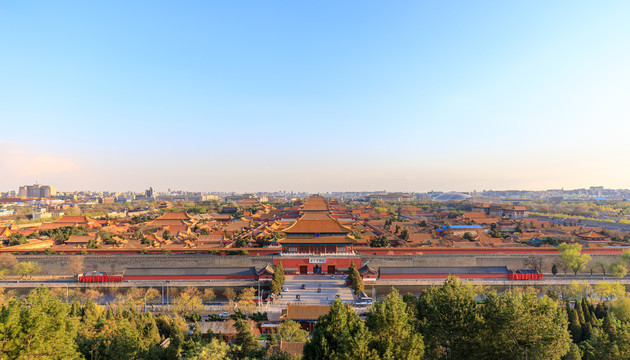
<point x="176" y="277"/>
<point x="444" y="276"/>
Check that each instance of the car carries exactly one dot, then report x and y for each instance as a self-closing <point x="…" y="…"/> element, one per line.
<point x="224" y="314"/>
<point x="303" y="286"/>
<point x="337" y="296"/>
<point x="284" y="288"/>
<point x="332" y="276"/>
<point x="363" y="314"/>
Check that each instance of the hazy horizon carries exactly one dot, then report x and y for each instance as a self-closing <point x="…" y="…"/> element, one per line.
<point x="314" y="97"/>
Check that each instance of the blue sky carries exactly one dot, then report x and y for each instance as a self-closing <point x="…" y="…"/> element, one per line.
<point x="314" y="95"/>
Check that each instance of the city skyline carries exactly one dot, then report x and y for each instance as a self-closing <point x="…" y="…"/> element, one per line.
<point x="323" y="97"/>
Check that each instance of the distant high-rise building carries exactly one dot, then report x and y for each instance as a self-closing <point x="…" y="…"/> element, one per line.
<point x="37" y="191"/>
<point x="150" y="193"/>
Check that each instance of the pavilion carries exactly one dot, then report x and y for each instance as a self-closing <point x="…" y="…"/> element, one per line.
<point x="317" y="243"/>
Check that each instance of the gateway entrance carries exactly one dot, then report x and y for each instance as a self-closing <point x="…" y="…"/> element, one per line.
<point x="331" y="269"/>
<point x="303" y="269"/>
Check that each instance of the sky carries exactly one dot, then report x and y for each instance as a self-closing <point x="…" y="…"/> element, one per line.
<point x="314" y="96"/>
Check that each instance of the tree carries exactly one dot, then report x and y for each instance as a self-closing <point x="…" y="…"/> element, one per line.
<point x="563" y="266"/>
<point x="521" y="326"/>
<point x="621" y="309"/>
<point x="38" y="327"/>
<point x="602" y="265"/>
<point x="449" y="321"/>
<point x="208" y="295"/>
<point x="7" y="260"/>
<point x="245" y="346"/>
<point x="230" y="295"/>
<point x="339" y="335"/>
<point x="574" y="353"/>
<point x="187" y="306"/>
<point x="75" y="265"/>
<point x="246" y="300"/>
<point x="192" y="291"/>
<point x="380" y="241"/>
<point x="393" y="334"/>
<point x="277" y="280"/>
<point x="151" y="295"/>
<point x="618" y="269"/>
<point x="554" y="269"/>
<point x="575" y="328"/>
<point x="26" y="269"/>
<point x="17" y="239"/>
<point x="468" y="236"/>
<point x="572" y="256"/>
<point x="356" y="281"/>
<point x="214" y="350"/>
<point x="404" y="234"/>
<point x="534" y="263"/>
<point x="291" y="331"/>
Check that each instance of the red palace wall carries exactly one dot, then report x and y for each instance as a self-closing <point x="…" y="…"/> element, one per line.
<point x="338" y="263"/>
<point x="183" y="277"/>
<point x="444" y="276"/>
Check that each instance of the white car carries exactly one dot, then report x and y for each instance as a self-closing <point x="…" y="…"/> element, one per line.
<point x="284" y="288"/>
<point x="224" y="314"/>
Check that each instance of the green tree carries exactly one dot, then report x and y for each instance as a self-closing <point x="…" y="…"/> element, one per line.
<point x="339" y="335"/>
<point x="522" y="326"/>
<point x="574" y="353"/>
<point x="26" y="269"/>
<point x="245" y="346"/>
<point x="449" y="321"/>
<point x="214" y="350"/>
<point x="291" y="331"/>
<point x="572" y="256"/>
<point x="618" y="269"/>
<point x="392" y="330"/>
<point x="38" y="327"/>
<point x="277" y="280"/>
<point x="356" y="281"/>
<point x="575" y="328"/>
<point x="554" y="269"/>
<point x="621" y="308"/>
<point x="17" y="239"/>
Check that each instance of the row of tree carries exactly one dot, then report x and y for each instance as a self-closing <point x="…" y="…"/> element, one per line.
<point x="444" y="322"/>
